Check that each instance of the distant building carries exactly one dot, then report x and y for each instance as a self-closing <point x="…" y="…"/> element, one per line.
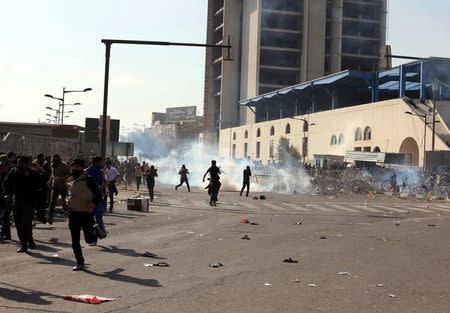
<point x="279" y="43"/>
<point x="178" y="127"/>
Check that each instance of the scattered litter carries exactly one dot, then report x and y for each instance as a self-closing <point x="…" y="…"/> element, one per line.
<point x="253" y="223"/>
<point x="340" y="235"/>
<point x="392" y="296"/>
<point x="261" y="197"/>
<point x="87" y="299"/>
<point x="380" y="285"/>
<point x="191" y="232"/>
<point x="308" y="205"/>
<point x="255" y="198"/>
<point x="298" y="223"/>
<point x="245" y="221"/>
<point x="384" y="239"/>
<point x="431" y="225"/>
<point x="344" y="273"/>
<point x="55" y="255"/>
<point x="323" y="237"/>
<point x="267" y="284"/>
<point x="397" y="223"/>
<point x="312" y="285"/>
<point x="201" y="235"/>
<point x="290" y="260"/>
<point x="297" y="280"/>
<point x="215" y="265"/>
<point x="159" y="264"/>
<point x="220" y="239"/>
<point x="150" y="255"/>
<point x="245" y="237"/>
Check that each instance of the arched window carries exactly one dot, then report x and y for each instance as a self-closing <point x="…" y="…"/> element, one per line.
<point x="367" y="133"/>
<point x="234" y="136"/>
<point x="272" y="131"/>
<point x="288" y="128"/>
<point x="358" y="134"/>
<point x="258" y="132"/>
<point x="341" y="140"/>
<point x="246" y="135"/>
<point x="376" y="149"/>
<point x="333" y="140"/>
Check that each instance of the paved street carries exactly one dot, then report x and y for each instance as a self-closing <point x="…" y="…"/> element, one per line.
<point x="374" y="248"/>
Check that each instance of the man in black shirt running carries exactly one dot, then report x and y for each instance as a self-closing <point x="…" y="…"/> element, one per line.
<point x="214" y="185"/>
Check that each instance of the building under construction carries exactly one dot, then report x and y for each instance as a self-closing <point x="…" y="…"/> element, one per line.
<point x="279" y="43"/>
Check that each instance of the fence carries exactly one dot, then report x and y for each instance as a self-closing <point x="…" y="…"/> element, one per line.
<point x="33" y="145"/>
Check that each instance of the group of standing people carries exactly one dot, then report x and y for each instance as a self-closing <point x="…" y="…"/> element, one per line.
<point x="27" y="186"/>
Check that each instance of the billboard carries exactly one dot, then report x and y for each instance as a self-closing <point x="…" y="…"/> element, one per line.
<point x="181" y="114"/>
<point x="93" y="126"/>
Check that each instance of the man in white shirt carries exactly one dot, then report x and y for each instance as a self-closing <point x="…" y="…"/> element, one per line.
<point x="111" y="174"/>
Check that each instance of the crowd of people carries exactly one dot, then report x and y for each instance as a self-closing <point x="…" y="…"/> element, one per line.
<point x="31" y="189"/>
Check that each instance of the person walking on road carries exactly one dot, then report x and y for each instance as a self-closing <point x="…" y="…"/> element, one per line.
<point x="96" y="172"/>
<point x="246" y="182"/>
<point x="21" y="186"/>
<point x="111" y="175"/>
<point x="84" y="195"/>
<point x="151" y="173"/>
<point x="214" y="184"/>
<point x="138" y="173"/>
<point x="58" y="181"/>
<point x="184" y="172"/>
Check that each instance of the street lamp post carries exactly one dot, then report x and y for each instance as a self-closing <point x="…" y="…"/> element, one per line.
<point x="305" y="130"/>
<point x="62" y="104"/>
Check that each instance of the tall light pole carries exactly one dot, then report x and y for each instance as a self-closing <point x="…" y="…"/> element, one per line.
<point x="62" y="104"/>
<point x="306" y="126"/>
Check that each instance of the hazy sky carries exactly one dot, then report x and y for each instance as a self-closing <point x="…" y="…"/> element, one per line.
<point x="46" y="45"/>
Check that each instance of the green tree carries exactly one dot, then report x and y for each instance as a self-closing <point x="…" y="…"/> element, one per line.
<point x="287" y="155"/>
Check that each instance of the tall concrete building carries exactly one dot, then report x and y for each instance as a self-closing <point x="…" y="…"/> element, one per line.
<point x="279" y="43"/>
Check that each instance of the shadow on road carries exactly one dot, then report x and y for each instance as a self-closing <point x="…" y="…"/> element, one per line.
<point x="116" y="276"/>
<point x="50" y="259"/>
<point x="126" y="252"/>
<point x="24" y="295"/>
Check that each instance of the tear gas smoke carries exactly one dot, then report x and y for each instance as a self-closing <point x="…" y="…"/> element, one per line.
<point x="197" y="158"/>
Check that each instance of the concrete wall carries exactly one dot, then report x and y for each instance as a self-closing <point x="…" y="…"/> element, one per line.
<point x="250" y="55"/>
<point x="389" y="125"/>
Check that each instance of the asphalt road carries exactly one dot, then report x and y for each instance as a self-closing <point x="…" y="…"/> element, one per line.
<point x="385" y="246"/>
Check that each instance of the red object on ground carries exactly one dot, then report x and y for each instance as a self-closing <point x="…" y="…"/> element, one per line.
<point x="87" y="299"/>
<point x="245" y="221"/>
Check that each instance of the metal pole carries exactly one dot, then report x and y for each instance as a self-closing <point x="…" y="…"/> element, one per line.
<point x="425" y="144"/>
<point x="105" y="100"/>
<point x="62" y="109"/>
<point x="434" y="115"/>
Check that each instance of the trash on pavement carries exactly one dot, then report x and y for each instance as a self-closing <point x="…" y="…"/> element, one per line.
<point x="323" y="237"/>
<point x="55" y="255"/>
<point x="262" y="197"/>
<point x="255" y="198"/>
<point x="245" y="237"/>
<point x="392" y="296"/>
<point x="431" y="225"/>
<point x="159" y="264"/>
<point x="290" y="260"/>
<point x="380" y="285"/>
<point x="312" y="285"/>
<point x="298" y="223"/>
<point x="296" y="280"/>
<point x="344" y="273"/>
<point x="267" y="284"/>
<point x="245" y="221"/>
<point x="215" y="265"/>
<point x="87" y="299"/>
<point x="253" y="223"/>
<point x="397" y="223"/>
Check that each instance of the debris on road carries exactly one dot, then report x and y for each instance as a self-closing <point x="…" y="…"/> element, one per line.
<point x="323" y="237"/>
<point x="432" y="225"/>
<point x="312" y="285"/>
<point x="87" y="299"/>
<point x="245" y="221"/>
<point x="262" y="197"/>
<point x="55" y="255"/>
<point x="290" y="260"/>
<point x="297" y="280"/>
<point x="255" y="198"/>
<point x="344" y="273"/>
<point x="380" y="285"/>
<point x="392" y="296"/>
<point x="298" y="223"/>
<point x="253" y="223"/>
<point x="267" y="284"/>
<point x="215" y="265"/>
<point x="397" y="223"/>
<point x="159" y="264"/>
<point x="245" y="237"/>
